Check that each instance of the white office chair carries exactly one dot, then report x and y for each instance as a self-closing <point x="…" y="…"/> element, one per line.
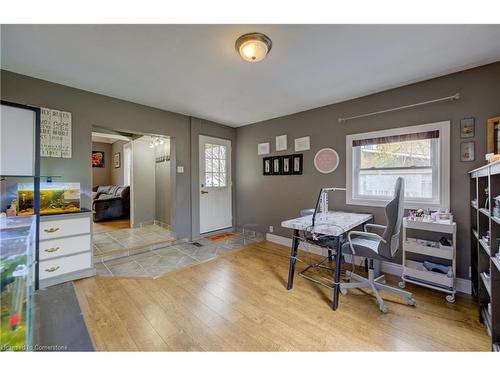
<point x="381" y="246"/>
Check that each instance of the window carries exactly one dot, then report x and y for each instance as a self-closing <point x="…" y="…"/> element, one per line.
<point x="419" y="154"/>
<point x="215" y="165"/>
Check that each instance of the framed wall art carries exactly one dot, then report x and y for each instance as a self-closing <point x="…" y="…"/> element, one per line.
<point x="276" y="165"/>
<point x="467" y="127"/>
<point x="263" y="148"/>
<point x="297" y="164"/>
<point x="302" y="144"/>
<point x="266" y="167"/>
<point x="287" y="164"/>
<point x="281" y="143"/>
<point x="326" y="160"/>
<point x="467" y="151"/>
<point x="97" y="159"/>
<point x="116" y="160"/>
<point x="493" y="145"/>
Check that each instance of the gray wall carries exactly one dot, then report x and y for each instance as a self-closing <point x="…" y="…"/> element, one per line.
<point x="102" y="176"/>
<point x="143" y="182"/>
<point x="203" y="127"/>
<point x="90" y="109"/>
<point x="117" y="173"/>
<point x="163" y="184"/>
<point x="268" y="200"/>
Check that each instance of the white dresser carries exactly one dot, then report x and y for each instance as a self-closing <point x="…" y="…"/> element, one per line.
<point x="65" y="250"/>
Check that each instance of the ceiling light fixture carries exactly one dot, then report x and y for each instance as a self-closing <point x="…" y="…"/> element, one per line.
<point x="253" y="47"/>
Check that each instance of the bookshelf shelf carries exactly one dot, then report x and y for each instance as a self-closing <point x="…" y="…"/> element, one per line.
<point x="485" y="244"/>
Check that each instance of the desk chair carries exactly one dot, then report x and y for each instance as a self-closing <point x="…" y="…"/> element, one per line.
<point x="378" y="242"/>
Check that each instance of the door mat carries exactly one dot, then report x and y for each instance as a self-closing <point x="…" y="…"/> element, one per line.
<point x="221" y="236"/>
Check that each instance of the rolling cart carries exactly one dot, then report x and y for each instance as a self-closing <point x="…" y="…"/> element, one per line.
<point x="425" y="245"/>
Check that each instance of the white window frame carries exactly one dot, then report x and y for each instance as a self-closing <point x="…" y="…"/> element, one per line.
<point x="225" y="182"/>
<point x="444" y="166"/>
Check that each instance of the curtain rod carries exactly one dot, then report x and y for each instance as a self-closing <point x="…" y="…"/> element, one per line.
<point x="452" y="97"/>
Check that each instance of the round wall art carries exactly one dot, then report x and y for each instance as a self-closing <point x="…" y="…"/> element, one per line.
<point x="326" y="160"/>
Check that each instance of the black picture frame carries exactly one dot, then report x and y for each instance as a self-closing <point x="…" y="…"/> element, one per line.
<point x="277" y="165"/>
<point x="267" y="166"/>
<point x="283" y="165"/>
<point x="297" y="164"/>
<point x="287" y="164"/>
<point x="98" y="160"/>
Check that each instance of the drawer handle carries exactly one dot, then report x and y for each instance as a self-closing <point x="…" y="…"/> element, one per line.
<point x="51" y="230"/>
<point x="52" y="269"/>
<point x="52" y="249"/>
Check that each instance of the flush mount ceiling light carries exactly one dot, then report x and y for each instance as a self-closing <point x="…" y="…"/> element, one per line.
<point x="253" y="47"/>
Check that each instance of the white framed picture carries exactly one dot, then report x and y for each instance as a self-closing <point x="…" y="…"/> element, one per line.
<point x="263" y="148"/>
<point x="281" y="143"/>
<point x="302" y="144"/>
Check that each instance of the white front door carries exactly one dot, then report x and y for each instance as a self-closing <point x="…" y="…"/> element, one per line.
<point x="215" y="184"/>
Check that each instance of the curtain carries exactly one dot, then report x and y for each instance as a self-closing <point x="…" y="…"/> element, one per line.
<point x="396" y="138"/>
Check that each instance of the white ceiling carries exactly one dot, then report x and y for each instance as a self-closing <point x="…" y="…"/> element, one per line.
<point x="195" y="70"/>
<point x="107" y="138"/>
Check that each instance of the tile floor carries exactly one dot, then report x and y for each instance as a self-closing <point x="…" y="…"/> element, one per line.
<point x="176" y="255"/>
<point x="110" y="244"/>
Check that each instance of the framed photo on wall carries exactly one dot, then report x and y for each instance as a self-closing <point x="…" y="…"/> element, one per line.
<point x="276" y="165"/>
<point x="263" y="148"/>
<point x="287" y="164"/>
<point x="467" y="151"/>
<point x="116" y="160"/>
<point x="266" y="167"/>
<point x="97" y="159"/>
<point x="467" y="127"/>
<point x="297" y="164"/>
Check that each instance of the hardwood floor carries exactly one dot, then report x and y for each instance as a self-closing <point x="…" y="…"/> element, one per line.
<point x="107" y="226"/>
<point x="238" y="302"/>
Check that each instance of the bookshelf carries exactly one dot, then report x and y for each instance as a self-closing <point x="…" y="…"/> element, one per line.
<point x="485" y="243"/>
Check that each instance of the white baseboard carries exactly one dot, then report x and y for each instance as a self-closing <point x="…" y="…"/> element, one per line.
<point x="463" y="285"/>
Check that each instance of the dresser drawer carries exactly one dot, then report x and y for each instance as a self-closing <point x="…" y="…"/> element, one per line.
<point x="64" y="246"/>
<point x="60" y="266"/>
<point x="65" y="227"/>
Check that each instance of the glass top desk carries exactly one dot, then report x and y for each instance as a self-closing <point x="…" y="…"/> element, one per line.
<point x="334" y="224"/>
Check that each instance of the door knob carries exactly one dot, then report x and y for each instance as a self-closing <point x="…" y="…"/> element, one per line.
<point x="204" y="192"/>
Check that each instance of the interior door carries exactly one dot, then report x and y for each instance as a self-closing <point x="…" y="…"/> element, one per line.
<point x="215" y="184"/>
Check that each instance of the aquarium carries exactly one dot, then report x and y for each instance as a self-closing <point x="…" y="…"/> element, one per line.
<point x="17" y="246"/>
<point x="55" y="198"/>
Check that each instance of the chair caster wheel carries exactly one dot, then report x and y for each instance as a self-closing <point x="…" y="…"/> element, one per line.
<point x="343" y="291"/>
<point x="402" y="284"/>
<point x="412" y="302"/>
<point x="450" y="298"/>
<point x="383" y="308"/>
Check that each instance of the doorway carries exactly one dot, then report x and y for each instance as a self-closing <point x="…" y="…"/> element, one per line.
<point x="110" y="192"/>
<point x="132" y="194"/>
<point x="215" y="184"/>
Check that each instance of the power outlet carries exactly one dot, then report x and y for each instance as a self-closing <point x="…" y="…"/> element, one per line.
<point x="271" y="229"/>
